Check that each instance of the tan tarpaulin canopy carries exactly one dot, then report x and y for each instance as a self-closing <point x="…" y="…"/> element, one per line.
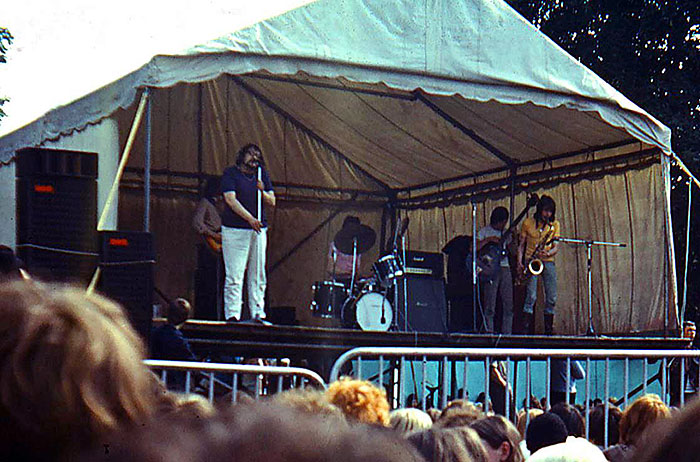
<point x="329" y="148"/>
<point x="409" y="108"/>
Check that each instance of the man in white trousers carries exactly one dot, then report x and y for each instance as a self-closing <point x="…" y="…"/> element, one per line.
<point x="247" y="188"/>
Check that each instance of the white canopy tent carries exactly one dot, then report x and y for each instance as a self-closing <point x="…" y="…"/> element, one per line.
<point x="413" y="108"/>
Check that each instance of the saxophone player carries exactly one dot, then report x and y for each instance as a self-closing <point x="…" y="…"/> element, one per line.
<point x="538" y="241"/>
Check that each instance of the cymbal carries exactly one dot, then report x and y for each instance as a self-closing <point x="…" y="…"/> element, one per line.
<point x="344" y="238"/>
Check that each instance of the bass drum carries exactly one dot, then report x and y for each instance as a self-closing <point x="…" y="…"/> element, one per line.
<point x="370" y="311"/>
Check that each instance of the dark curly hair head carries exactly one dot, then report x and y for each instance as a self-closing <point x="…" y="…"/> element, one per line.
<point x="244" y="150"/>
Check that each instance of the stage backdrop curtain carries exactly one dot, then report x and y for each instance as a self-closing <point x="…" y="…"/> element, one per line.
<point x="629" y="286"/>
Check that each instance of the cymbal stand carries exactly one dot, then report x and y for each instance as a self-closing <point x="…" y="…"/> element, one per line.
<point x="405" y="284"/>
<point x="354" y="264"/>
<point x="335" y="261"/>
<point x="589" y="260"/>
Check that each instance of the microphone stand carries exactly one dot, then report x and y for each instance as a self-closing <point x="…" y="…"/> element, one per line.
<point x="589" y="261"/>
<point x="259" y="249"/>
<point x="475" y="279"/>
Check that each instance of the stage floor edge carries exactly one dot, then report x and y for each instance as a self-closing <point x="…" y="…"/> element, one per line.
<point x="216" y="339"/>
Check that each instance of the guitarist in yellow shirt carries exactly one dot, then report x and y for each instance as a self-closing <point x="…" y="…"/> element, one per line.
<point x="541" y="231"/>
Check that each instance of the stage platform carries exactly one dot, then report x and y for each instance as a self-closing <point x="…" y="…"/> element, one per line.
<point x="219" y="341"/>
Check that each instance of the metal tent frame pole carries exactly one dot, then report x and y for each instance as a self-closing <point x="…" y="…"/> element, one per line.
<point x="687" y="251"/>
<point x="147" y="167"/>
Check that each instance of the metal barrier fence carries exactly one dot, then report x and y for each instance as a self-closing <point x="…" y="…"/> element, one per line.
<point x="455" y="372"/>
<point x="231" y="378"/>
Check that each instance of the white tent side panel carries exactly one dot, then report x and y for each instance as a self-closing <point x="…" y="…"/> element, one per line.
<point x="102" y="138"/>
<point x="8" y="205"/>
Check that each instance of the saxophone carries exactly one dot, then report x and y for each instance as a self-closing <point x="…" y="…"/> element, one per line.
<point x="533" y="265"/>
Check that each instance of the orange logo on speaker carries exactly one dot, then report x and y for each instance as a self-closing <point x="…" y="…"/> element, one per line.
<point x="121" y="242"/>
<point x="44" y="188"/>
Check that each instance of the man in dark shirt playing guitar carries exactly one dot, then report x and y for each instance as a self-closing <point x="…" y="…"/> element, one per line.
<point x="501" y="281"/>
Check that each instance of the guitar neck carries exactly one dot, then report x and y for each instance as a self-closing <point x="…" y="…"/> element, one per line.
<point x="515" y="222"/>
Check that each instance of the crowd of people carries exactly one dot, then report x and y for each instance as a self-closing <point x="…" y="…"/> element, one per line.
<point x="73" y="386"/>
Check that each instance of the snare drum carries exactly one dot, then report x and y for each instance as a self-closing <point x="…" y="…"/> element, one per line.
<point x="328" y="299"/>
<point x="387" y="269"/>
<point x="370" y="311"/>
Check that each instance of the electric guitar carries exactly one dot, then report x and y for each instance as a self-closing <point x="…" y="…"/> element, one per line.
<point x="488" y="258"/>
<point x="213" y="245"/>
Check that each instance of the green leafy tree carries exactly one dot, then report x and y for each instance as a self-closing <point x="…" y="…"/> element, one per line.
<point x="5" y="41"/>
<point x="650" y="51"/>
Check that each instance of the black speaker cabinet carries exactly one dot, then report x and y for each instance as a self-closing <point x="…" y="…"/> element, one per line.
<point x="57" y="213"/>
<point x="426" y="307"/>
<point x="126" y="262"/>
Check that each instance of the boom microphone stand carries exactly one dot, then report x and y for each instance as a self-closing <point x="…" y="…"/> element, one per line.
<point x="589" y="260"/>
<point x="405" y="282"/>
<point x="475" y="277"/>
<point x="398" y="249"/>
<point x="259" y="248"/>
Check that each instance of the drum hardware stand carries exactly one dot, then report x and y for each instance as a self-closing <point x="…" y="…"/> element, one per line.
<point x="354" y="264"/>
<point x="589" y="260"/>
<point x="475" y="276"/>
<point x="399" y="234"/>
<point x="335" y="261"/>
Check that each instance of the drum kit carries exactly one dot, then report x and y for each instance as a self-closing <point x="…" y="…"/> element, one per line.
<point x="363" y="305"/>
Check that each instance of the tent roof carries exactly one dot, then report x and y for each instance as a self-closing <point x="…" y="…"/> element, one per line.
<point x="434" y="85"/>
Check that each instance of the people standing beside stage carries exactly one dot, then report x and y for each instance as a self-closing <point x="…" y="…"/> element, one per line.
<point x="501" y="282"/>
<point x="538" y="241"/>
<point x="207" y="223"/>
<point x="690" y="374"/>
<point x="244" y="232"/>
<point x="558" y="383"/>
<point x="167" y="341"/>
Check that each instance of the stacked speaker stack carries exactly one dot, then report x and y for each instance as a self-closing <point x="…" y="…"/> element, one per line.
<point x="57" y="213"/>
<point x="421" y="305"/>
<point x="126" y="265"/>
<point x="57" y="234"/>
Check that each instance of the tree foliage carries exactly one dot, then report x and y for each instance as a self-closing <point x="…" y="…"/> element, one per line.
<point x="650" y="51"/>
<point x="5" y="41"/>
<point x="647" y="49"/>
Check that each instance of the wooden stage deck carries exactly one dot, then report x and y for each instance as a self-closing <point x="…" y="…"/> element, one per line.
<point x="219" y="341"/>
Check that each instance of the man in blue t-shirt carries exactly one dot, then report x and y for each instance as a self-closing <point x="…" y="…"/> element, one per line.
<point x="244" y="232"/>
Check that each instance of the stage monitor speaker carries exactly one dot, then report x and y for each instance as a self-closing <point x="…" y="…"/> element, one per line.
<point x="426" y="307"/>
<point x="57" y="213"/>
<point x="126" y="262"/>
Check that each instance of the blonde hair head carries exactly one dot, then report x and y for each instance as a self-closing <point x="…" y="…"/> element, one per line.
<point x="640" y="415"/>
<point x="70" y="368"/>
<point x="309" y="401"/>
<point x="409" y="420"/>
<point x="523" y="419"/>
